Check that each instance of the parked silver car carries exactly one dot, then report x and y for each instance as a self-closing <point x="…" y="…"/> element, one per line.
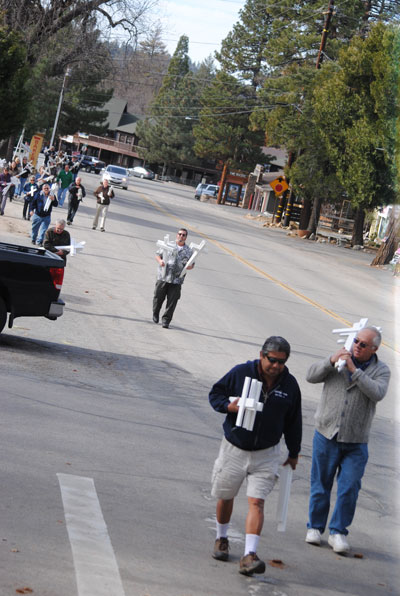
<point x="142" y="172"/>
<point x="117" y="176"/>
<point x="206" y="189"/>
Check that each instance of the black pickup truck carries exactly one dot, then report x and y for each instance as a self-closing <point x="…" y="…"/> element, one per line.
<point x="30" y="283"/>
<point x="91" y="164"/>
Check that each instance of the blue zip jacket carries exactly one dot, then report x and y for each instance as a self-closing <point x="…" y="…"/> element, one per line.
<point x="39" y="202"/>
<point x="281" y="414"/>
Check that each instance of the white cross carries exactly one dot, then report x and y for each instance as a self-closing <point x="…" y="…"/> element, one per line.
<point x="6" y="188"/>
<point x="196" y="248"/>
<point x="169" y="249"/>
<point x="47" y="203"/>
<point x="351" y="334"/>
<point x="74" y="247"/>
<point x="248" y="403"/>
<point x="285" y="481"/>
<point x="26" y="169"/>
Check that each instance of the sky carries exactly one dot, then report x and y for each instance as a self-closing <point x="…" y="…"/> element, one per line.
<point x="205" y="22"/>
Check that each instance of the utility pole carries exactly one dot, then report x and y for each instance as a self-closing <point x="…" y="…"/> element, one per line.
<point x="53" y="134"/>
<point x="225" y="172"/>
<point x="325" y="34"/>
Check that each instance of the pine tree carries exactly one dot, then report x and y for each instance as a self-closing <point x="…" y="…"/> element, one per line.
<point x="223" y="131"/>
<point x="243" y="50"/>
<point x="292" y="51"/>
<point x="356" y="109"/>
<point x="84" y="96"/>
<point x="166" y="136"/>
<point x="13" y="88"/>
<point x="178" y="67"/>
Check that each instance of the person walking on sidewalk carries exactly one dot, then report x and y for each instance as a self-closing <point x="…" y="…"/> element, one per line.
<point x="76" y="193"/>
<point x="26" y="171"/>
<point x="30" y="189"/>
<point x="254" y="455"/>
<point x="41" y="208"/>
<point x="103" y="193"/>
<point x="6" y="187"/>
<point x="343" y="422"/>
<point x="65" y="178"/>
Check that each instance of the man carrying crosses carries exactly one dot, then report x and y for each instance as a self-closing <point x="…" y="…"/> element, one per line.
<point x="343" y="421"/>
<point x="56" y="238"/>
<point x="171" y="262"/>
<point x="253" y="455"/>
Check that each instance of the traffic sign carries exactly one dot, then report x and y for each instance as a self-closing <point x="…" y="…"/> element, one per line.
<point x="279" y="185"/>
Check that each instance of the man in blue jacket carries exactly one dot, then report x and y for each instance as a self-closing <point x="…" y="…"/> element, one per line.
<point x="254" y="455"/>
<point x="41" y="207"/>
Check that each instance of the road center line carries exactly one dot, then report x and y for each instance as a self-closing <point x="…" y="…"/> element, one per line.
<point x="274" y="280"/>
<point x="96" y="568"/>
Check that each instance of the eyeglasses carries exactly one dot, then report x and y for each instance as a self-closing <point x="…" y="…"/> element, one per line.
<point x="273" y="360"/>
<point x="180" y="234"/>
<point x="362" y="343"/>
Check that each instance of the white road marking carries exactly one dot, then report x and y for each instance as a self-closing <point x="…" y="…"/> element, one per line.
<point x="96" y="568"/>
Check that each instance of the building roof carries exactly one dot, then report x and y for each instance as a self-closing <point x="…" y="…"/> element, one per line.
<point x="119" y="119"/>
<point x="279" y="154"/>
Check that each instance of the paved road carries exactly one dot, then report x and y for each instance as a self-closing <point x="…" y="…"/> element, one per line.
<point x="105" y="415"/>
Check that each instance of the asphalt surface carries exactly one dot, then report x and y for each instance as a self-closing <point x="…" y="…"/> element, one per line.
<point x="107" y="437"/>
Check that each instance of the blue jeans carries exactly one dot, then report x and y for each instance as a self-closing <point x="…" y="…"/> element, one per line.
<point x="22" y="182"/>
<point x="62" y="193"/>
<point x="39" y="227"/>
<point x="349" y="461"/>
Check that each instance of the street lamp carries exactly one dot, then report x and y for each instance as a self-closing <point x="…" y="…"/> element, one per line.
<point x="67" y="73"/>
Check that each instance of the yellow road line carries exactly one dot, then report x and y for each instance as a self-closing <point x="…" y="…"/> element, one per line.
<point x="276" y="281"/>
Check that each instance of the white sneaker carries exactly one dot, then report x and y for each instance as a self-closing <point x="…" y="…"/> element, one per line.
<point x="339" y="543"/>
<point x="313" y="536"/>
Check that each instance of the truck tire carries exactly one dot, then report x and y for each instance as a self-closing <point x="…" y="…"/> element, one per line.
<point x="3" y="314"/>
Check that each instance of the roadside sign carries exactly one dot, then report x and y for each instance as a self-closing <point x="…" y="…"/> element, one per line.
<point x="279" y="185"/>
<point x="35" y="147"/>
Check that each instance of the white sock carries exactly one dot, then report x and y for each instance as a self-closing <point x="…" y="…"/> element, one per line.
<point x="222" y="530"/>
<point x="251" y="543"/>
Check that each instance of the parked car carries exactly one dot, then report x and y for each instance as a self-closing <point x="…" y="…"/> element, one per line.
<point x="206" y="189"/>
<point x="91" y="164"/>
<point x="117" y="176"/>
<point x="30" y="283"/>
<point x="142" y="172"/>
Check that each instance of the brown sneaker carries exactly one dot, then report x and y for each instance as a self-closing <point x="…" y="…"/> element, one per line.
<point x="250" y="564"/>
<point x="221" y="549"/>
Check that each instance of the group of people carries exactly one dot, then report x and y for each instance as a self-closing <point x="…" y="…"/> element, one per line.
<point x="55" y="181"/>
<point x="340" y="444"/>
<point x="12" y="180"/>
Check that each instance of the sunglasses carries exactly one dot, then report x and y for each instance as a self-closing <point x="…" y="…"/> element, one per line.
<point x="362" y="343"/>
<point x="179" y="234"/>
<point x="273" y="360"/>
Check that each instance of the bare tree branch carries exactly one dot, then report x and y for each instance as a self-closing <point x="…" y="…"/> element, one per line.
<point x="41" y="20"/>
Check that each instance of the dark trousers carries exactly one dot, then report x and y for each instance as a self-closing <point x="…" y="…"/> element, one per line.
<point x="72" y="209"/>
<point x="26" y="209"/>
<point x="172" y="292"/>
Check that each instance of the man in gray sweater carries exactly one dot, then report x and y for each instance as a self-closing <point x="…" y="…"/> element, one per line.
<point x="343" y="421"/>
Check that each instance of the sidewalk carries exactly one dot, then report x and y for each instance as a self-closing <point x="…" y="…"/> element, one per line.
<point x="13" y="228"/>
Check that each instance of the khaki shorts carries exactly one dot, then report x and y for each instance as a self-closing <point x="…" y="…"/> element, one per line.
<point x="233" y="465"/>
